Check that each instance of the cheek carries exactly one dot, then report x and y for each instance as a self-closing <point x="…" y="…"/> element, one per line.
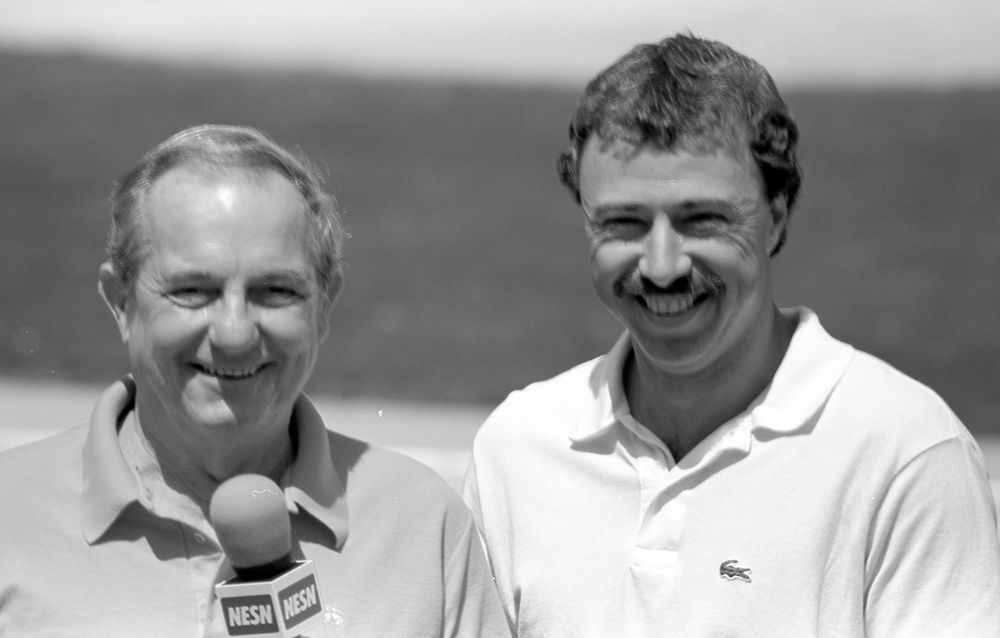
<point x="746" y="274"/>
<point x="293" y="333"/>
<point x="610" y="259"/>
<point x="165" y="329"/>
<point x="740" y="252"/>
<point x="740" y="242"/>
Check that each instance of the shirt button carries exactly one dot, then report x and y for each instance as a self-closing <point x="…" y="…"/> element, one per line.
<point x="199" y="538"/>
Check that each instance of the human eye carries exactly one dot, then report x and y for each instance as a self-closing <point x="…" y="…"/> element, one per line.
<point x="706" y="221"/>
<point x="623" y="224"/>
<point x="277" y="295"/>
<point x="191" y="296"/>
<point x="624" y="228"/>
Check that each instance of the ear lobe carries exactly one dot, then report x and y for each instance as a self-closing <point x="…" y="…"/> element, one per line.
<point x="113" y="292"/>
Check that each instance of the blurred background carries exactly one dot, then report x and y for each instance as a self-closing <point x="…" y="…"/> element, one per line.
<point x="438" y="123"/>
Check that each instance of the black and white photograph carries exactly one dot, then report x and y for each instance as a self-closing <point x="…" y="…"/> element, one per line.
<point x="472" y="319"/>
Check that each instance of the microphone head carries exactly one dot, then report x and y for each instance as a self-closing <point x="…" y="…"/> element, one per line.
<point x="251" y="520"/>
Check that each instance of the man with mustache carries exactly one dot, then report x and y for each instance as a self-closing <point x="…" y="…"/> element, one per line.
<point x="728" y="468"/>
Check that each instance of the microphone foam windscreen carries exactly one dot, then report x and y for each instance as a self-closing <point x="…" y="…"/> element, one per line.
<point x="251" y="520"/>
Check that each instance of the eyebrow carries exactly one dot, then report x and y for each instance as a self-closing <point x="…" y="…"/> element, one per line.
<point x="287" y="275"/>
<point x="685" y="206"/>
<point x="184" y="276"/>
<point x="284" y="275"/>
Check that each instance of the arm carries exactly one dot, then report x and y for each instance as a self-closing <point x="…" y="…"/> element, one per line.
<point x="933" y="558"/>
<point x="472" y="606"/>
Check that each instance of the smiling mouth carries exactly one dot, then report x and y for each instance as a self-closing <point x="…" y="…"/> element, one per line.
<point x="229" y="374"/>
<point x="674" y="300"/>
<point x="671" y="305"/>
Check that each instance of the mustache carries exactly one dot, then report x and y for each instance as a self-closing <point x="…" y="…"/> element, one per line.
<point x="696" y="283"/>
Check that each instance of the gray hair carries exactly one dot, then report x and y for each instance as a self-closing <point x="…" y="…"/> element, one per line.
<point x="213" y="146"/>
<point x="694" y="94"/>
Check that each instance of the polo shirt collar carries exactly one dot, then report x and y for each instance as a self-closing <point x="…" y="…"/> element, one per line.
<point x="311" y="482"/>
<point x="813" y="365"/>
<point x="110" y="486"/>
<point x="811" y="368"/>
<point x="609" y="405"/>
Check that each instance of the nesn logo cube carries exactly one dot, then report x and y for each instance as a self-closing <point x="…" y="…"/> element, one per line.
<point x="281" y="607"/>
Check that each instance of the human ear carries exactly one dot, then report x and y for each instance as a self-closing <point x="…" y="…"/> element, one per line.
<point x="326" y="308"/>
<point x="779" y="224"/>
<point x="114" y="294"/>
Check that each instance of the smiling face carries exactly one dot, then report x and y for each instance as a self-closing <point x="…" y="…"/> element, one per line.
<point x="679" y="250"/>
<point x="225" y="319"/>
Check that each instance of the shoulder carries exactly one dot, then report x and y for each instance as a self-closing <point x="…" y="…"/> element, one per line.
<point x="893" y="398"/>
<point x="43" y="481"/>
<point x="884" y="413"/>
<point x="864" y="401"/>
<point x="45" y="458"/>
<point x="371" y="471"/>
<point x="553" y="402"/>
<point x="393" y="497"/>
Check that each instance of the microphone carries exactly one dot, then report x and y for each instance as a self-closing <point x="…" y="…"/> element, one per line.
<point x="271" y="595"/>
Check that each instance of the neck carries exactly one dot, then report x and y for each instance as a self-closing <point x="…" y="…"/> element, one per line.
<point x="682" y="410"/>
<point x="192" y="469"/>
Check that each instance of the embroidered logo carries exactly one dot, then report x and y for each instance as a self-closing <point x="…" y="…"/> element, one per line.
<point x="729" y="569"/>
<point x="332" y="616"/>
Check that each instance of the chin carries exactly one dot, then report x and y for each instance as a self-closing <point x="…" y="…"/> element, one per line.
<point x="685" y="354"/>
<point x="215" y="416"/>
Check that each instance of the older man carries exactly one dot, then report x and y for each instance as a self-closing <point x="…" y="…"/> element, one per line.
<point x="224" y="263"/>
<point x="728" y="468"/>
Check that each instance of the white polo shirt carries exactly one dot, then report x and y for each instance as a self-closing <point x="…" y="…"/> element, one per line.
<point x="847" y="500"/>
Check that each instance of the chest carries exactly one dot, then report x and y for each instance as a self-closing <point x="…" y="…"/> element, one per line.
<point x="780" y="536"/>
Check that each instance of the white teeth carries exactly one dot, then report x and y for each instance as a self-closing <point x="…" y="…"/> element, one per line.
<point x="230" y="373"/>
<point x="669" y="305"/>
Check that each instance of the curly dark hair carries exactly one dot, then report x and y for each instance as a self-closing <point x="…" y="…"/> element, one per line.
<point x="691" y="93"/>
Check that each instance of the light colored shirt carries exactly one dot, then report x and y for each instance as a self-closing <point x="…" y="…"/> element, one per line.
<point x="84" y="553"/>
<point x="846" y="500"/>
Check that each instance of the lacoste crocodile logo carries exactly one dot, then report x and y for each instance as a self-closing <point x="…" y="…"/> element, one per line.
<point x="729" y="569"/>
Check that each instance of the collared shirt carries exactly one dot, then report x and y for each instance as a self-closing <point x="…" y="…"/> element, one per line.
<point x="84" y="551"/>
<point x="828" y="507"/>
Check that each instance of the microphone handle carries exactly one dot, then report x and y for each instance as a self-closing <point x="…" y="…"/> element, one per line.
<point x="266" y="571"/>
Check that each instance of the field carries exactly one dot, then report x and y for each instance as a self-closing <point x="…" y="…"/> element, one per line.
<point x="468" y="273"/>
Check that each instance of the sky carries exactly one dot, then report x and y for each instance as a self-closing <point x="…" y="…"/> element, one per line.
<point x="902" y="42"/>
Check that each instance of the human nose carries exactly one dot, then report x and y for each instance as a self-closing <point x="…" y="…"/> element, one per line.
<point x="233" y="328"/>
<point x="663" y="258"/>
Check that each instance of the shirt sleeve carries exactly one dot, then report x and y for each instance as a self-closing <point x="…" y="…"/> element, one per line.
<point x="933" y="561"/>
<point x="472" y="605"/>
